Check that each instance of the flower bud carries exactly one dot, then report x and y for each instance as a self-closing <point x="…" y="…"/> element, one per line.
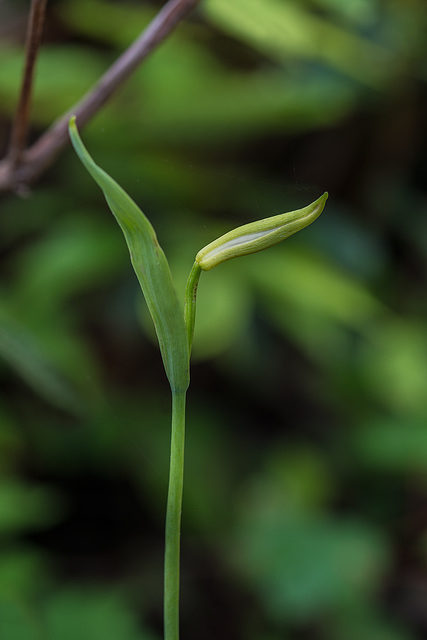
<point x="258" y="235"/>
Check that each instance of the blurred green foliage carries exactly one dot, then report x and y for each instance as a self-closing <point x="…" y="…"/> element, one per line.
<point x="306" y="497"/>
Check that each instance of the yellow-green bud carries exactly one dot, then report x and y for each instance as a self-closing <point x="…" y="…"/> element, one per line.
<point x="258" y="235"/>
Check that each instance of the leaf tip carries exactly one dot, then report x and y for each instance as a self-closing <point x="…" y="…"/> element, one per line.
<point x="72" y="126"/>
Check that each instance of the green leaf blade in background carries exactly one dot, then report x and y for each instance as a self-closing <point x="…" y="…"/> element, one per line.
<point x="24" y="353"/>
<point x="17" y="622"/>
<point x="93" y="614"/>
<point x="287" y="29"/>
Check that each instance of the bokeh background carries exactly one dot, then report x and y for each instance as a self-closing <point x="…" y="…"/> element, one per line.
<point x="305" y="507"/>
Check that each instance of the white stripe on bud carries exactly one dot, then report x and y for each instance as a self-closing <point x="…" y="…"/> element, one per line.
<point x="258" y="235"/>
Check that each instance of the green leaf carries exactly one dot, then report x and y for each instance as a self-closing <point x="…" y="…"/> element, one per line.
<point x="302" y="566"/>
<point x="91" y="615"/>
<point x="25" y="507"/>
<point x="107" y="22"/>
<point x="60" y="81"/>
<point x="151" y="268"/>
<point x="23" y="573"/>
<point x="394" y="364"/>
<point x="284" y="30"/>
<point x="301" y="561"/>
<point x="395" y="444"/>
<point x="17" y="622"/>
<point x="23" y="352"/>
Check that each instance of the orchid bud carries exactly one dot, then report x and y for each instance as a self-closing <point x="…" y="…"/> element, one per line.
<point x="258" y="235"/>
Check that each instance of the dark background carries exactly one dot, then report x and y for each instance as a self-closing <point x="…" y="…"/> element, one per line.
<point x="305" y="501"/>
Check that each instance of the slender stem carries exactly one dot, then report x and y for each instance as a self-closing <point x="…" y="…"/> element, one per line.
<point x="173" y="519"/>
<point x="176" y="479"/>
<point x="44" y="151"/>
<point x="190" y="302"/>
<point x="18" y="137"/>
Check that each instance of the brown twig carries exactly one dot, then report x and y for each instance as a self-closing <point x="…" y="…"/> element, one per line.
<point x="40" y="156"/>
<point x="18" y="138"/>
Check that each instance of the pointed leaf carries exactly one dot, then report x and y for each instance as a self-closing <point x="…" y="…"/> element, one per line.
<point x="151" y="268"/>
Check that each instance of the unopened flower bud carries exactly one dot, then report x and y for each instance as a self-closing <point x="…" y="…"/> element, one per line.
<point x="258" y="235"/>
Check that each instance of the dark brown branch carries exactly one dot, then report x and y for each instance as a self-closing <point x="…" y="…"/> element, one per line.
<point x="42" y="154"/>
<point x="18" y="137"/>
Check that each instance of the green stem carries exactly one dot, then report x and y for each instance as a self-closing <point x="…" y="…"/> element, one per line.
<point x="176" y="479"/>
<point x="173" y="518"/>
<point x="190" y="301"/>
